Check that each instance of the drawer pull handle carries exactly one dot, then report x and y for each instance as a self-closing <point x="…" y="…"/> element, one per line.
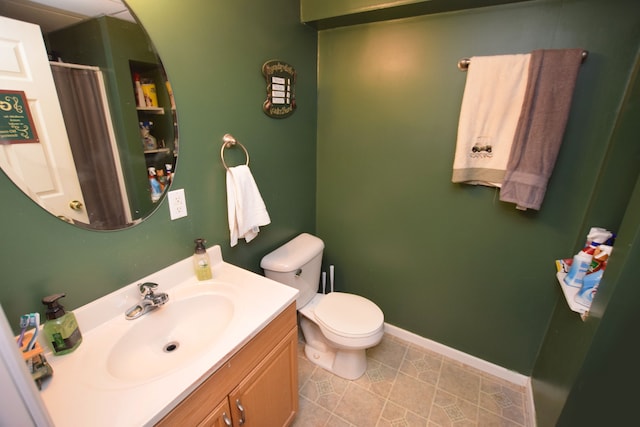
<point x="226" y="419"/>
<point x="241" y="409"/>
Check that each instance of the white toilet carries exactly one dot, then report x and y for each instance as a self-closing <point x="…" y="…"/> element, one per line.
<point x="338" y="327"/>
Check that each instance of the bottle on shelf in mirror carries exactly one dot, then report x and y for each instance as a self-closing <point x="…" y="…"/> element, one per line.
<point x="140" y="101"/>
<point x="170" y="92"/>
<point x="149" y="91"/>
<point x="169" y="172"/>
<point x="149" y="141"/>
<point x="162" y="179"/>
<point x="156" y="190"/>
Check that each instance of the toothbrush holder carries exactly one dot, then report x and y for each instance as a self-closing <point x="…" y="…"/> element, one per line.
<point x="37" y="365"/>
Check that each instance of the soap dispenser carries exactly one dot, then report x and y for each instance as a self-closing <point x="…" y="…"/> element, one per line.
<point x="60" y="329"/>
<point x="201" y="261"/>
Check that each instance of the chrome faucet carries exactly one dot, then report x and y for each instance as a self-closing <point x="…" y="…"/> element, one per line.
<point x="150" y="301"/>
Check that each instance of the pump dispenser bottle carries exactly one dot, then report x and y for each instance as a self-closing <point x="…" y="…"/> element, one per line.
<point x="60" y="329"/>
<point x="201" y="261"/>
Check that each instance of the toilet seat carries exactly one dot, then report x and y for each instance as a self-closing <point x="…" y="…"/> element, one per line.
<point x="349" y="315"/>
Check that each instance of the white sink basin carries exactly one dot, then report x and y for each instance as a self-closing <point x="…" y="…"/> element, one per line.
<point x="193" y="322"/>
<point x="169" y="337"/>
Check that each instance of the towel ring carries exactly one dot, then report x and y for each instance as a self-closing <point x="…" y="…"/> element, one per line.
<point x="229" y="141"/>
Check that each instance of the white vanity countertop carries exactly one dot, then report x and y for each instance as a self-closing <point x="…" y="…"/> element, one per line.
<point x="79" y="395"/>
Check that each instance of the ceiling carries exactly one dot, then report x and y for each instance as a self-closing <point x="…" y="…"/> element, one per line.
<point x="55" y="14"/>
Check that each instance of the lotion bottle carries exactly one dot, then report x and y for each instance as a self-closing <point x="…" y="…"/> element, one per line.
<point x="201" y="261"/>
<point x="60" y="329"/>
<point x="579" y="267"/>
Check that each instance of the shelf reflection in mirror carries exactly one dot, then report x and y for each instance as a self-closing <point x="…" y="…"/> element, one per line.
<point x="116" y="123"/>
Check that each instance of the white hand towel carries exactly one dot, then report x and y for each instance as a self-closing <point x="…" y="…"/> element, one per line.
<point x="246" y="209"/>
<point x="489" y="113"/>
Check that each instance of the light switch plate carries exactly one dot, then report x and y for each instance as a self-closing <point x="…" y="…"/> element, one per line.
<point x="177" y="204"/>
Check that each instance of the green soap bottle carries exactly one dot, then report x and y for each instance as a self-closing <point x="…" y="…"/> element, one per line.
<point x="201" y="261"/>
<point x="60" y="329"/>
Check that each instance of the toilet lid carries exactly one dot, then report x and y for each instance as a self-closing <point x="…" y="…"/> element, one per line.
<point x="348" y="315"/>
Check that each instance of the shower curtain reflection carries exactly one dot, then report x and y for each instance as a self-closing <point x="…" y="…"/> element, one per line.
<point x="84" y="106"/>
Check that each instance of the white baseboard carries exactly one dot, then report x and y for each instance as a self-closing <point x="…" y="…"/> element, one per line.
<point x="459" y="356"/>
<point x="469" y="360"/>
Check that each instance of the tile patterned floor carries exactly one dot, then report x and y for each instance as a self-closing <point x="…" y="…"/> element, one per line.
<point x="406" y="385"/>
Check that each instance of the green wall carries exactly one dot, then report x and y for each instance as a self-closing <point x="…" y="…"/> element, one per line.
<point x="451" y="262"/>
<point x="565" y="367"/>
<point x="213" y="53"/>
<point x="605" y="393"/>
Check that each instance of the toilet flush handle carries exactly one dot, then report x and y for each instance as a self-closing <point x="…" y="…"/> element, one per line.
<point x="298" y="272"/>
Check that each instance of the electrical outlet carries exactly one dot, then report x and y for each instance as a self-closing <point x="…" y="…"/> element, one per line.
<point x="177" y="204"/>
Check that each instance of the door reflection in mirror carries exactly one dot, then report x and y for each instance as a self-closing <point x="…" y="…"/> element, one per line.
<point x="85" y="109"/>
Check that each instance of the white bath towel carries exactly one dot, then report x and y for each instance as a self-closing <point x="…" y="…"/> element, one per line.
<point x="246" y="209"/>
<point x="489" y="113"/>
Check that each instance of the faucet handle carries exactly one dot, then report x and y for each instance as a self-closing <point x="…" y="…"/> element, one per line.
<point x="147" y="288"/>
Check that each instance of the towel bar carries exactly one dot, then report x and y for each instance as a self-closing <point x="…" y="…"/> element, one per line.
<point x="229" y="141"/>
<point x="463" y="64"/>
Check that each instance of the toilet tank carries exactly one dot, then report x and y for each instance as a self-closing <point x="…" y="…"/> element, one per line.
<point x="297" y="263"/>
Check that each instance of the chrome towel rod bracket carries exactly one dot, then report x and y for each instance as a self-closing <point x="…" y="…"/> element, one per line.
<point x="229" y="141"/>
<point x="463" y="64"/>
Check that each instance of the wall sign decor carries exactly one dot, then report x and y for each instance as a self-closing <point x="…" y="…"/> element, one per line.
<point x="16" y="123"/>
<point x="281" y="98"/>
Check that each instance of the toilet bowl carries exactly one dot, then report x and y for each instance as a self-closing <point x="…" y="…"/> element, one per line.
<point x="337" y="327"/>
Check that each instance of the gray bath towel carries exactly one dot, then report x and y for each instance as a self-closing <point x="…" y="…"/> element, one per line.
<point x="545" y="110"/>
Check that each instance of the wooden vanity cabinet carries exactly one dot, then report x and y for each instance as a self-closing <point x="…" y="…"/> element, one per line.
<point x="257" y="386"/>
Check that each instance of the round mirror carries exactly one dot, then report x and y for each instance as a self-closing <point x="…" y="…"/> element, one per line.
<point x="93" y="138"/>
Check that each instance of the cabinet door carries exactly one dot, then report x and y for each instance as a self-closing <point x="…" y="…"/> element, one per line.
<point x="219" y="417"/>
<point x="268" y="396"/>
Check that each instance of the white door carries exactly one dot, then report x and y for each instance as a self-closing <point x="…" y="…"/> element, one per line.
<point x="44" y="170"/>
